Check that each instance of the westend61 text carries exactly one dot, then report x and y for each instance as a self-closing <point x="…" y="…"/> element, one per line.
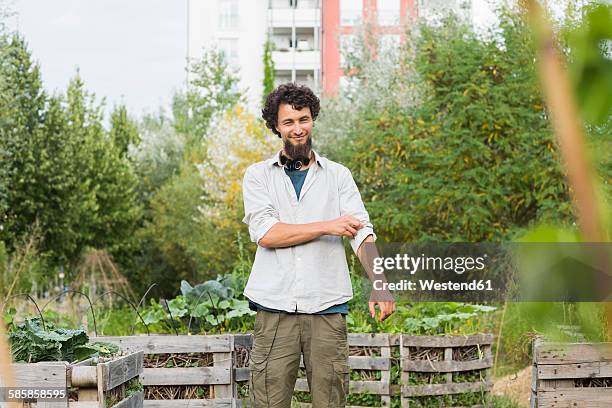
<point x="430" y="284"/>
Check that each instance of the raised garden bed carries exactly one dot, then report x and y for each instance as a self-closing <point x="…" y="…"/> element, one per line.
<point x="93" y="383"/>
<point x="571" y="375"/>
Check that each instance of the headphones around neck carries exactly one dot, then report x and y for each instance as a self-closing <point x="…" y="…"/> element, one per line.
<point x="293" y="165"/>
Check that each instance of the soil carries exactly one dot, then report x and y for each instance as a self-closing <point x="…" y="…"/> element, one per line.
<point x="516" y="386"/>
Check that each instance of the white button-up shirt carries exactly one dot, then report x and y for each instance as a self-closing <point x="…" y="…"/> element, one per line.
<point x="312" y="276"/>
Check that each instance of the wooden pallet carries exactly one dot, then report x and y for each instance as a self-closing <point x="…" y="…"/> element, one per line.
<point x="568" y="375"/>
<point x="218" y="378"/>
<point x="426" y="356"/>
<point x="94" y="382"/>
<point x="378" y="343"/>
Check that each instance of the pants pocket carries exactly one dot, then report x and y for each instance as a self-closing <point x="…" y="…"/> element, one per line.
<point x="339" y="384"/>
<point x="257" y="385"/>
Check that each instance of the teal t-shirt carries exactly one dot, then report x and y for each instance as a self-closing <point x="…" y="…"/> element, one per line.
<point x="297" y="179"/>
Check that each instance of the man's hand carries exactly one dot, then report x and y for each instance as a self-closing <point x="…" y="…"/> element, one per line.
<point x="345" y="226"/>
<point x="386" y="309"/>
<point x="386" y="306"/>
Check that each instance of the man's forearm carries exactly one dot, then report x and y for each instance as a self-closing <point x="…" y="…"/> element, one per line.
<point x="366" y="253"/>
<point x="285" y="235"/>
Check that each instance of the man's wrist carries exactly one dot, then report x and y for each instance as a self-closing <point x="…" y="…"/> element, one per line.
<point x="323" y="228"/>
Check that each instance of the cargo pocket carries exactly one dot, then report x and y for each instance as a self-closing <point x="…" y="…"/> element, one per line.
<point x="339" y="384"/>
<point x="257" y="384"/>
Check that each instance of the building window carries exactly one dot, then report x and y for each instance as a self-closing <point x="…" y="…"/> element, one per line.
<point x="228" y="14"/>
<point x="351" y="12"/>
<point x="388" y="12"/>
<point x="229" y="49"/>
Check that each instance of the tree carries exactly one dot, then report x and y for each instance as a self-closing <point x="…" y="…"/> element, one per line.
<point x="124" y="131"/>
<point x="106" y="171"/>
<point x="473" y="158"/>
<point x="213" y="87"/>
<point x="268" y="63"/>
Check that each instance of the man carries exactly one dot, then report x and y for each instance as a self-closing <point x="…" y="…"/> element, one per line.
<point x="298" y="206"/>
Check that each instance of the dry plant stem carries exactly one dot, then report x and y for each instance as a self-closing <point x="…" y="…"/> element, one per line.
<point x="569" y="131"/>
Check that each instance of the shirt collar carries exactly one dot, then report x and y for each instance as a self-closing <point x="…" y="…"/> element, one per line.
<point x="276" y="159"/>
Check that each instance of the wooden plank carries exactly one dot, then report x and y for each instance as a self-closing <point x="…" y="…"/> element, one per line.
<point x="385" y="376"/>
<point x="185" y="376"/>
<point x="364" y="363"/>
<point x="243" y="340"/>
<point x="190" y="403"/>
<point x="448" y="358"/>
<point x="404" y="376"/>
<point x="575" y="397"/>
<point x="160" y="344"/>
<point x="372" y="387"/>
<point x="558" y="353"/>
<point x="452" y="366"/>
<point x="122" y="369"/>
<point x="37" y="375"/>
<point x="596" y="369"/>
<point x="83" y="404"/>
<point x="372" y="339"/>
<point x="446" y="341"/>
<point x="133" y="401"/>
<point x="442" y="389"/>
<point x="370" y="363"/>
<point x="241" y="374"/>
<point x="224" y="361"/>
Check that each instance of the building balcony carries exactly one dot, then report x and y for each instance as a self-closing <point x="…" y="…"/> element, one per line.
<point x="293" y="59"/>
<point x="298" y="17"/>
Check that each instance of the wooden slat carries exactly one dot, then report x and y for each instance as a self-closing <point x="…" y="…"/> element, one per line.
<point x="241" y="374"/>
<point x="575" y="397"/>
<point x="83" y="404"/>
<point x="40" y="375"/>
<point x="189" y="403"/>
<point x="363" y="363"/>
<point x="576" y="370"/>
<point x="442" y="389"/>
<point x="372" y="387"/>
<point x="385" y="376"/>
<point x="121" y="370"/>
<point x="223" y="361"/>
<point x="557" y="353"/>
<point x="133" y="401"/>
<point x="446" y="341"/>
<point x="172" y="344"/>
<point x="372" y="339"/>
<point x="243" y="340"/>
<point x="185" y="376"/>
<point x="450" y="366"/>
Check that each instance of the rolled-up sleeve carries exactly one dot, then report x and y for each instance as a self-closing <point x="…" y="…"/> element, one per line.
<point x="351" y="204"/>
<point x="259" y="213"/>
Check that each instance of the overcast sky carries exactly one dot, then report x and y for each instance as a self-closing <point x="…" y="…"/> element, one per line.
<point x="130" y="51"/>
<point x="126" y="50"/>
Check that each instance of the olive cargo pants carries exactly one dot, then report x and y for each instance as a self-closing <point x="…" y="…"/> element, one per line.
<point x="280" y="339"/>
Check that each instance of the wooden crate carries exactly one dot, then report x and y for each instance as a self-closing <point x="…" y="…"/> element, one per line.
<point x="216" y="378"/>
<point x="95" y="383"/>
<point x="362" y="346"/>
<point x="571" y="375"/>
<point x="436" y="360"/>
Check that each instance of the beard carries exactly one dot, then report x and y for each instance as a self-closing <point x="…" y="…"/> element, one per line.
<point x="298" y="151"/>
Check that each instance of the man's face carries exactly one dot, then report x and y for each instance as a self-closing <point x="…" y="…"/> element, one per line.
<point x="295" y="127"/>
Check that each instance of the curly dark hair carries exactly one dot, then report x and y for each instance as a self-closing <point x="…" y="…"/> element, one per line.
<point x="298" y="96"/>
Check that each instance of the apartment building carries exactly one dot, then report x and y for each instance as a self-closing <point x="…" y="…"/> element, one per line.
<point x="307" y="35"/>
<point x="239" y="29"/>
